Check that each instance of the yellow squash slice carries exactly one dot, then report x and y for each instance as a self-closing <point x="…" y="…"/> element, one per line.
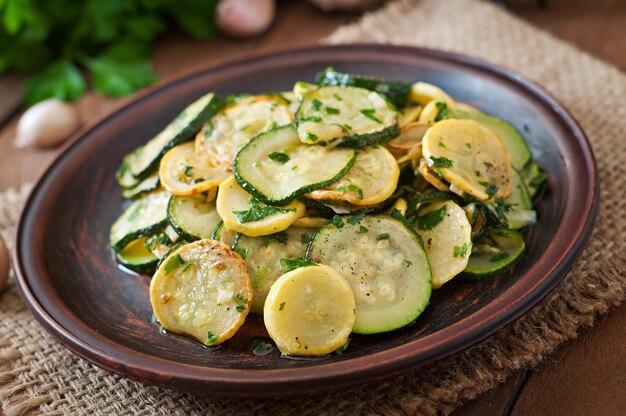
<point x="469" y="156"/>
<point x="372" y="179"/>
<point x="233" y="203"/>
<point x="408" y="115"/>
<point x="423" y="93"/>
<point x="446" y="233"/>
<point x="184" y="174"/>
<point x="222" y="137"/>
<point x="310" y="311"/>
<point x="202" y="290"/>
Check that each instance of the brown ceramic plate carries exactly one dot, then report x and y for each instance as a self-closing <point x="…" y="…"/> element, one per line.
<point x="69" y="279"/>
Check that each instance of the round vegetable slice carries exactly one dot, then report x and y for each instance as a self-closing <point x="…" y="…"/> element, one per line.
<point x="143" y="217"/>
<point x="193" y="217"/>
<point x="408" y="115"/>
<point x="372" y="179"/>
<point x="184" y="174"/>
<point x="384" y="264"/>
<point x="494" y="252"/>
<point x="356" y="116"/>
<point x="137" y="258"/>
<point x="310" y="311"/>
<point x="202" y="290"/>
<point x="423" y="93"/>
<point x="242" y="212"/>
<point x="410" y="135"/>
<point x="470" y="157"/>
<point x="234" y="126"/>
<point x="276" y="167"/>
<point x="447" y="236"/>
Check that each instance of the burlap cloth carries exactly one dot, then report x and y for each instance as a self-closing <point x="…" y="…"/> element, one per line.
<point x="37" y="375"/>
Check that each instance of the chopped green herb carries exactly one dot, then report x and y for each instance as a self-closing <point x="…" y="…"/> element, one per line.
<point x="198" y="180"/>
<point x="279" y="157"/>
<point x="260" y="347"/>
<point x="315" y="119"/>
<point x="281" y="306"/>
<point x="316" y="104"/>
<point x="443" y="111"/>
<point x="383" y="236"/>
<point x="441" y="143"/>
<point x="337" y="221"/>
<point x="499" y="256"/>
<point x="355" y="219"/>
<point x="490" y="189"/>
<point x="431" y="219"/>
<point x="242" y="251"/>
<point x="440" y="162"/>
<point x="461" y="251"/>
<point x="337" y="97"/>
<point x="256" y="164"/>
<point x="468" y="145"/>
<point x="477" y="173"/>
<point x="274" y="124"/>
<point x="370" y="113"/>
<point x="311" y="136"/>
<point x="346" y="128"/>
<point x="187" y="170"/>
<point x="352" y="188"/>
<point x="282" y="237"/>
<point x="292" y="264"/>
<point x="294" y="167"/>
<point x="242" y="303"/>
<point x="502" y="207"/>
<point x="305" y="238"/>
<point x="363" y="230"/>
<point x="185" y="268"/>
<point x="258" y="212"/>
<point x="210" y="338"/>
<point x="408" y="262"/>
<point x="258" y="278"/>
<point x="344" y="347"/>
<point x="173" y="263"/>
<point x="332" y="111"/>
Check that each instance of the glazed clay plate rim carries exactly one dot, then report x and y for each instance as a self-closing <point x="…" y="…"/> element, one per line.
<point x="466" y="332"/>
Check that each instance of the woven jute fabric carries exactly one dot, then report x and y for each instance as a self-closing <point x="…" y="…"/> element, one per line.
<point x="37" y="375"/>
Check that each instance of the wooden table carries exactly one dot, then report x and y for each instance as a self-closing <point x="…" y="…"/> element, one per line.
<point x="586" y="376"/>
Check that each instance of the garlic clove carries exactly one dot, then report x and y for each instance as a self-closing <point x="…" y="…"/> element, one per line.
<point x="46" y="124"/>
<point x="244" y="18"/>
<point x="4" y="264"/>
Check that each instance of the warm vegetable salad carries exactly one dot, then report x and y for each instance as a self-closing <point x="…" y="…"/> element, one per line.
<point x="331" y="209"/>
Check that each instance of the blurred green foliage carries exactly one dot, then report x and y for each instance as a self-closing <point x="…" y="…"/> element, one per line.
<point x="111" y="39"/>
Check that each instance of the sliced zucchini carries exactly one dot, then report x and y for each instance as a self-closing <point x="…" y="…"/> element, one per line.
<point x="397" y="91"/>
<point x="263" y="255"/>
<point x="354" y="117"/>
<point x="161" y="244"/>
<point x="234" y="126"/>
<point x="477" y="217"/>
<point x="494" y="252"/>
<point x="516" y="210"/>
<point x="151" y="183"/>
<point x="408" y="115"/>
<point x="202" y="290"/>
<point x="447" y="236"/>
<point x="310" y="222"/>
<point x="372" y="179"/>
<point x="310" y="311"/>
<point x="243" y="213"/>
<point x="513" y="140"/>
<point x="533" y="178"/>
<point x="137" y="258"/>
<point x="424" y="93"/>
<point x="183" y="173"/>
<point x="276" y="167"/>
<point x="469" y="156"/>
<point x="125" y="178"/>
<point x="193" y="217"/>
<point x="384" y="264"/>
<point x="145" y="159"/>
<point x="301" y="88"/>
<point x="143" y="217"/>
<point x="431" y="112"/>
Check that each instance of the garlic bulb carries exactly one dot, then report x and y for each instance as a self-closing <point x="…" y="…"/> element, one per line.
<point x="4" y="264"/>
<point x="46" y="124"/>
<point x="244" y="18"/>
<point x="353" y="5"/>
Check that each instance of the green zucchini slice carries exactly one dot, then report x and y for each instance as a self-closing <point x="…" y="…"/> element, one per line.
<point x="513" y="140"/>
<point x="515" y="211"/>
<point x="397" y="91"/>
<point x="145" y="159"/>
<point x="151" y="183"/>
<point x="384" y="264"/>
<point x="276" y="167"/>
<point x="193" y="217"/>
<point x="494" y="252"/>
<point x="137" y="258"/>
<point x="143" y="217"/>
<point x="533" y="178"/>
<point x="354" y="117"/>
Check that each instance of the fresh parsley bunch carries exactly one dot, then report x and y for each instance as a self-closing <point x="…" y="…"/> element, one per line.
<point x="111" y="39"/>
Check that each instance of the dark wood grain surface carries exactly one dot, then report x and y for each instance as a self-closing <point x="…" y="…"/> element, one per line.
<point x="593" y="386"/>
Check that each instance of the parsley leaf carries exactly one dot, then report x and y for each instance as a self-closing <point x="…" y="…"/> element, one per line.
<point x="352" y="188"/>
<point x="461" y="251"/>
<point x="242" y="303"/>
<point x="311" y="136"/>
<point x="279" y="157"/>
<point x="332" y="111"/>
<point x="440" y="162"/>
<point x="282" y="237"/>
<point x="363" y="230"/>
<point x="60" y="80"/>
<point x="431" y="219"/>
<point x="316" y="104"/>
<point x="173" y="263"/>
<point x="370" y="113"/>
<point x="258" y="212"/>
<point x="490" y="189"/>
<point x="443" y="111"/>
<point x="292" y="264"/>
<point x="383" y="236"/>
<point x="210" y="338"/>
<point x="337" y="221"/>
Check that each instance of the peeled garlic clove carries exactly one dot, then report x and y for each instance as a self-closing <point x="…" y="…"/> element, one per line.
<point x="4" y="264"/>
<point x="46" y="124"/>
<point x="244" y="18"/>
